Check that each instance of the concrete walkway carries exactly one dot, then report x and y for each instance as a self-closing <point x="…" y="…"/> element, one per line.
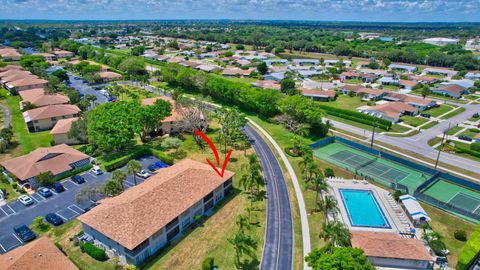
<point x="298" y="192"/>
<point x="6" y="116"/>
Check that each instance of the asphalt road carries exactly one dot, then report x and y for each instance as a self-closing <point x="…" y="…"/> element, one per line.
<point x="278" y="246"/>
<point x="63" y="204"/>
<point x="85" y="89"/>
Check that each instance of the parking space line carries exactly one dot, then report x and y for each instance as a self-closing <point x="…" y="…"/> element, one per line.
<point x="11" y="209"/>
<point x="61" y="216"/>
<point x="34" y="198"/>
<point x="74" y="205"/>
<point x="93" y="175"/>
<point x="4" y="212"/>
<point x="4" y="250"/>
<point x="41" y="197"/>
<point x="17" y="238"/>
<point x="73" y="183"/>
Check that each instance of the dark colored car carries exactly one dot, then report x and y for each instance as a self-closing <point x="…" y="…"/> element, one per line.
<point x="58" y="187"/>
<point x="54" y="219"/>
<point x="476" y="115"/>
<point x="426" y="115"/>
<point x="24" y="233"/>
<point x="45" y="192"/>
<point x="78" y="179"/>
<point x="465" y="138"/>
<point x="112" y="99"/>
<point x="157" y="165"/>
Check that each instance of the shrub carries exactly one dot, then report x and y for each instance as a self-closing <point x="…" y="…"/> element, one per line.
<point x="207" y="263"/>
<point x="289" y="152"/>
<point x="329" y="172"/>
<point x="460" y="235"/>
<point x="475" y="146"/>
<point x="94" y="252"/>
<point x="357" y="116"/>
<point x="470" y="250"/>
<point x="123" y="160"/>
<point x="73" y="172"/>
<point x="437" y="246"/>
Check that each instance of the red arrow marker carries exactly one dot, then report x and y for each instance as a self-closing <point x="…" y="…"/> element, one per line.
<point x="215" y="152"/>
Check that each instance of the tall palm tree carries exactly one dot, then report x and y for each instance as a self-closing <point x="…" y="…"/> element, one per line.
<point x="243" y="244"/>
<point x="134" y="167"/>
<point x="119" y="176"/>
<point x="328" y="204"/>
<point x="336" y="234"/>
<point x="319" y="185"/>
<point x="252" y="180"/>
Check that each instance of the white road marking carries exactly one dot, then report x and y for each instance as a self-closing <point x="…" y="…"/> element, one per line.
<point x="4" y="250"/>
<point x="4" y="211"/>
<point x="11" y="209"/>
<point x="73" y="210"/>
<point x="73" y="183"/>
<point x="34" y="198"/>
<point x="61" y="216"/>
<point x="74" y="205"/>
<point x="17" y="238"/>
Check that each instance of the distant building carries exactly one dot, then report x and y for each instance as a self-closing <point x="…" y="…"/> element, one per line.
<point x="303" y="62"/>
<point x="473" y="75"/>
<point x="451" y="90"/>
<point x="440" y="71"/>
<point x="38" y="98"/>
<point x="319" y="94"/>
<point x="440" y="41"/>
<point x="108" y="76"/>
<point x="406" y="68"/>
<point x="44" y="118"/>
<point x="10" y="54"/>
<point x="269" y="84"/>
<point x="276" y="76"/>
<point x="473" y="44"/>
<point x="391" y="111"/>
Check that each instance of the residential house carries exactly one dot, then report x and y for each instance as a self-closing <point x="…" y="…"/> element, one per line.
<point x="463" y="83"/>
<point x="473" y="75"/>
<point x="9" y="67"/>
<point x="390" y="250"/>
<point x="391" y="111"/>
<point x="347" y="88"/>
<point x="439" y="41"/>
<point x="406" y="68"/>
<point x="271" y="62"/>
<point x="207" y="55"/>
<point x="237" y="72"/>
<point x="243" y="63"/>
<point x="440" y="71"/>
<point x="331" y="62"/>
<point x="10" y="54"/>
<point x="319" y="94"/>
<point x="61" y="129"/>
<point x="27" y="83"/>
<point x="14" y="75"/>
<point x="309" y="73"/>
<point x="268" y="84"/>
<point x="423" y="79"/>
<point x="38" y="98"/>
<point x="44" y="118"/>
<point x="137" y="223"/>
<point x="366" y="93"/>
<point x="39" y="254"/>
<point x="303" y="62"/>
<point x="162" y="58"/>
<point x="208" y="67"/>
<point x="190" y="64"/>
<point x="168" y="124"/>
<point x="388" y="81"/>
<point x="58" y="160"/>
<point x="48" y="56"/>
<point x="451" y="90"/>
<point x="276" y="76"/>
<point x="406" y="84"/>
<point x="62" y="53"/>
<point x="108" y="76"/>
<point x="417" y="102"/>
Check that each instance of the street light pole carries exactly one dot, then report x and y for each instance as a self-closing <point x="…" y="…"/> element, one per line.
<point x="373" y="132"/>
<point x="441" y="144"/>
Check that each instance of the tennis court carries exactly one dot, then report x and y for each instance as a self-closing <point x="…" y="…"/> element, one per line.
<point x="381" y="170"/>
<point x="455" y="195"/>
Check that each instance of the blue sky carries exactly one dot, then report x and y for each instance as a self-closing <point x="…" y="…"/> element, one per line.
<point x="338" y="10"/>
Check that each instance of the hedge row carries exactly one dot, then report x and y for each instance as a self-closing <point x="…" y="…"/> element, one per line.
<point x="461" y="149"/>
<point x="470" y="251"/>
<point x="94" y="252"/>
<point x="144" y="151"/>
<point x="73" y="172"/>
<point x="357" y="117"/>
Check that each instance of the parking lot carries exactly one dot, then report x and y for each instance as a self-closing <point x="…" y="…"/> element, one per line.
<point x="62" y="204"/>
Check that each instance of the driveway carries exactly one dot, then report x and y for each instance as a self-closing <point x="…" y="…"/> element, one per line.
<point x="85" y="89"/>
<point x="63" y="204"/>
<point x="278" y="245"/>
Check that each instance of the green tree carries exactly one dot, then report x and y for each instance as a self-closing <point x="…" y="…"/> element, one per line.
<point x="134" y="167"/>
<point x="231" y="121"/>
<point x="172" y="143"/>
<point x="152" y="115"/>
<point x="240" y="47"/>
<point x="328" y="204"/>
<point x="134" y="66"/>
<point x="45" y="179"/>
<point x="39" y="224"/>
<point x="336" y="234"/>
<point x="287" y="86"/>
<point x="426" y="91"/>
<point x="78" y="131"/>
<point x="343" y="258"/>
<point x="61" y="74"/>
<point x="262" y="68"/>
<point x="319" y="185"/>
<point x="137" y="51"/>
<point x="112" y="188"/>
<point x="119" y="176"/>
<point x="252" y="180"/>
<point x="243" y="244"/>
<point x="6" y="134"/>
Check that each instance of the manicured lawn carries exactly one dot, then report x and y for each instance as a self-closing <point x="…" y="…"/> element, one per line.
<point x="354" y="81"/>
<point x="413" y="121"/>
<point x="453" y="113"/>
<point x="454" y="130"/>
<point x="437" y="111"/>
<point x="346" y="102"/>
<point x="27" y="141"/>
<point x="242" y="80"/>
<point x="474" y="119"/>
<point x="434" y="141"/>
<point x="429" y="125"/>
<point x="398" y="128"/>
<point x="391" y="87"/>
<point x="11" y="193"/>
<point x="471" y="132"/>
<point x="132" y="92"/>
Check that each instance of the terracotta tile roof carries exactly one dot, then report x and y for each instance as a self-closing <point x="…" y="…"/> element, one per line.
<point x="9" y="52"/>
<point x="409" y="99"/>
<point x="350" y="74"/>
<point x="45" y="54"/>
<point x="370" y="91"/>
<point x="17" y="75"/>
<point x="408" y="83"/>
<point x="26" y="81"/>
<point x="318" y="92"/>
<point x="38" y="255"/>
<point x="419" y="78"/>
<point x="12" y="71"/>
<point x="267" y="84"/>
<point x="393" y="109"/>
<point x="51" y="111"/>
<point x="191" y="64"/>
<point x="352" y="87"/>
<point x="61" y="52"/>
<point x="390" y="245"/>
<point x="63" y="126"/>
<point x="237" y="71"/>
<point x="39" y="98"/>
<point x="9" y="67"/>
<point x="133" y="216"/>
<point x="452" y="88"/>
<point x="32" y="164"/>
<point x="174" y="114"/>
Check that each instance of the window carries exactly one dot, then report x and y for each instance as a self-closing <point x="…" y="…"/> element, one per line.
<point x="35" y="121"/>
<point x="173" y="233"/>
<point x="157" y="234"/>
<point x="137" y="249"/>
<point x="171" y="224"/>
<point x="208" y="197"/>
<point x="54" y="119"/>
<point x="208" y="205"/>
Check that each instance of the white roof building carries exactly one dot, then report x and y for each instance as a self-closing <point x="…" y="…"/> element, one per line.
<point x="441" y="41"/>
<point x="414" y="209"/>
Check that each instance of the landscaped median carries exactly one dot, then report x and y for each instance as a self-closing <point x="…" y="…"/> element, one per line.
<point x="470" y="251"/>
<point x="139" y="151"/>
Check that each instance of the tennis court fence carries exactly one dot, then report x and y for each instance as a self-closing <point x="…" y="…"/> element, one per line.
<point x="427" y="183"/>
<point x="446" y="206"/>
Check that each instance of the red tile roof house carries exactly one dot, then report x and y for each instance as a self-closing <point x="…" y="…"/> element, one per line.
<point x="44" y="118"/>
<point x="451" y="90"/>
<point x="38" y="98"/>
<point x="319" y="94"/>
<point x="40" y="254"/>
<point x="10" y="54"/>
<point x="27" y="83"/>
<point x="14" y="75"/>
<point x="61" y="129"/>
<point x="145" y="218"/>
<point x="391" y="111"/>
<point x="108" y="76"/>
<point x="48" y="56"/>
<point x="169" y="123"/>
<point x="390" y="250"/>
<point x="237" y="72"/>
<point x="417" y="102"/>
<point x="57" y="159"/>
<point x="368" y="93"/>
<point x="269" y="84"/>
<point x="62" y="53"/>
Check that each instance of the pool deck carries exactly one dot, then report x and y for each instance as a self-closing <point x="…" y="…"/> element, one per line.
<point x="394" y="213"/>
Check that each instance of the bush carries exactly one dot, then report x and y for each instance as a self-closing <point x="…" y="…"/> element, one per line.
<point x="329" y="172"/>
<point x="289" y="152"/>
<point x="460" y="235"/>
<point x="357" y="117"/>
<point x="470" y="250"/>
<point x="437" y="246"/>
<point x="207" y="263"/>
<point x="475" y="146"/>
<point x="123" y="160"/>
<point x="73" y="172"/>
<point x="94" y="252"/>
<point x="461" y="149"/>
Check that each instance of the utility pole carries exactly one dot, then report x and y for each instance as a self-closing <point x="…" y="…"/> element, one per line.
<point x="441" y="144"/>
<point x="373" y="132"/>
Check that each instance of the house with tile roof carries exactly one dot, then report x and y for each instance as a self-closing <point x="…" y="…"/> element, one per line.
<point x="57" y="159"/>
<point x="417" y="102"/>
<point x="143" y="219"/>
<point x="108" y="76"/>
<point x="44" y="118"/>
<point x="391" y="111"/>
<point x="268" y="84"/>
<point x="319" y="94"/>
<point x="451" y="90"/>
<point x="26" y="83"/>
<point x="61" y="129"/>
<point x="390" y="250"/>
<point x="62" y="53"/>
<point x="9" y="54"/>
<point x="39" y="98"/>
<point x="40" y="254"/>
<point x="168" y="124"/>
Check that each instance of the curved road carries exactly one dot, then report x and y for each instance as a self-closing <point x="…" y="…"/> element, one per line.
<point x="278" y="245"/>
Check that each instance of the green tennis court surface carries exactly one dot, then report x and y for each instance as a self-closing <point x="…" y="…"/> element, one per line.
<point x="455" y="195"/>
<point x="381" y="170"/>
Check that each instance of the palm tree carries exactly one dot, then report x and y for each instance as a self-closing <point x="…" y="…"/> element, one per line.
<point x="336" y="234"/>
<point x="303" y="130"/>
<point x="133" y="167"/>
<point x="319" y="185"/>
<point x="328" y="204"/>
<point x="119" y="176"/>
<point x="242" y="222"/>
<point x="243" y="244"/>
<point x="252" y="180"/>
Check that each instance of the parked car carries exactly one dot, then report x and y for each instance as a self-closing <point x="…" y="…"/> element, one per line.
<point x="96" y="170"/>
<point x="426" y="115"/>
<point x="53" y="219"/>
<point x="144" y="174"/>
<point x="25" y="200"/>
<point x="112" y="99"/>
<point x="45" y="192"/>
<point x="465" y="138"/>
<point x="24" y="233"/>
<point x="476" y="115"/>
<point x="58" y="187"/>
<point x="97" y="88"/>
<point x="78" y="179"/>
<point x="157" y="165"/>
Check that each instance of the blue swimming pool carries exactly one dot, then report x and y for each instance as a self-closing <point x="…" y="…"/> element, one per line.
<point x="363" y="209"/>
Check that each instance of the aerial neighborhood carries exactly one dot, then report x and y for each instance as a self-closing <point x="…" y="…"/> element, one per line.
<point x="235" y="144"/>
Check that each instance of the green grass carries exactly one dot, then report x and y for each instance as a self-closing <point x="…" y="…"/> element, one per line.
<point x="26" y="140"/>
<point x="391" y="87"/>
<point x="453" y="113"/>
<point x="434" y="141"/>
<point x="132" y="92"/>
<point x="413" y="121"/>
<point x="242" y="80"/>
<point x="470" y="132"/>
<point x="474" y="119"/>
<point x="354" y="81"/>
<point x="12" y="194"/>
<point x="437" y="111"/>
<point x="454" y="130"/>
<point x="347" y="102"/>
<point x="429" y="125"/>
<point x="398" y="128"/>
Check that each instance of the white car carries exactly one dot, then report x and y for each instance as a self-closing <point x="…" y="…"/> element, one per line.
<point x="96" y="170"/>
<point x="25" y="200"/>
<point x="144" y="174"/>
